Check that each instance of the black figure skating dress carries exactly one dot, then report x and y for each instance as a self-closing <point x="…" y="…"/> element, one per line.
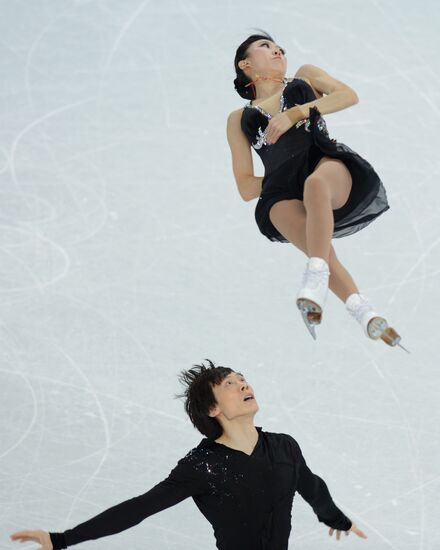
<point x="246" y="498"/>
<point x="295" y="155"/>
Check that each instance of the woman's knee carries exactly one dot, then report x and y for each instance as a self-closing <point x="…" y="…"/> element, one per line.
<point x="316" y="191"/>
<point x="336" y="179"/>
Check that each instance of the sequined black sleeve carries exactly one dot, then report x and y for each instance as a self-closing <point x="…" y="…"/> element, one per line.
<point x="314" y="490"/>
<point x="183" y="482"/>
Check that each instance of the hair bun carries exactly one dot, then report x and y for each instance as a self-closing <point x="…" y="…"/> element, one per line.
<point x="241" y="54"/>
<point x="241" y="89"/>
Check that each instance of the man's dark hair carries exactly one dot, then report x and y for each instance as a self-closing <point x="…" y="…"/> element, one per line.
<point x="241" y="53"/>
<point x="199" y="397"/>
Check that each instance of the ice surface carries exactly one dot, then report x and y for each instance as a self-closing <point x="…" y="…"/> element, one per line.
<point x="127" y="255"/>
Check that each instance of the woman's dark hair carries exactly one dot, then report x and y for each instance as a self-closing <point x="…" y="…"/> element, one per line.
<point x="199" y="397"/>
<point x="241" y="53"/>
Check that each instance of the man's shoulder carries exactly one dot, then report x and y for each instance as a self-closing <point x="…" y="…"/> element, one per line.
<point x="277" y="435"/>
<point x="283" y="439"/>
<point x="196" y="461"/>
<point x="203" y="450"/>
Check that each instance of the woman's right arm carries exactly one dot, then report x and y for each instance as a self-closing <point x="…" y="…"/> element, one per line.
<point x="249" y="185"/>
<point x="182" y="483"/>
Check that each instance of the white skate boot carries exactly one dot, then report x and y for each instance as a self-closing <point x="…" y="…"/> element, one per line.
<point x="311" y="298"/>
<point x="374" y="325"/>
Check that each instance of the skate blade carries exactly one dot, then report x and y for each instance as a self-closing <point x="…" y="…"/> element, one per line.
<point x="404" y="349"/>
<point x="311" y="314"/>
<point x="310" y="326"/>
<point x="378" y="328"/>
<point x="393" y="339"/>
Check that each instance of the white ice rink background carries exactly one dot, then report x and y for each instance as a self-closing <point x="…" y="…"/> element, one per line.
<point x="127" y="255"/>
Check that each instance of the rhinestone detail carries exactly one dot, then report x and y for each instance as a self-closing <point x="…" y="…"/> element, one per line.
<point x="261" y="139"/>
<point x="282" y="103"/>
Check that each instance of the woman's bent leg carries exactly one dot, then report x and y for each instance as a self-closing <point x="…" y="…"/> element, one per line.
<point x="289" y="218"/>
<point x="325" y="189"/>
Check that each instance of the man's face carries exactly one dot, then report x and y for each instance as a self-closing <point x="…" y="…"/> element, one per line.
<point x="234" y="398"/>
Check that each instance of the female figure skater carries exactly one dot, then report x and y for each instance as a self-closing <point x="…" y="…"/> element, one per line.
<point x="314" y="187"/>
<point x="241" y="478"/>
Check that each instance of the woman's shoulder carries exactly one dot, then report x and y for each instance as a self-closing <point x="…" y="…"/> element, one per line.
<point x="299" y="78"/>
<point x="235" y="116"/>
<point x="309" y="73"/>
<point x="234" y="125"/>
<point x="301" y="81"/>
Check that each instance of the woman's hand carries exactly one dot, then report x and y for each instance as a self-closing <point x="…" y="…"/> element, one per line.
<point x="278" y="125"/>
<point x="354" y="529"/>
<point x="42" y="537"/>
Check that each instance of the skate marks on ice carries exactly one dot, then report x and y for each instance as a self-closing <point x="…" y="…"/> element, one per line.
<point x="127" y="255"/>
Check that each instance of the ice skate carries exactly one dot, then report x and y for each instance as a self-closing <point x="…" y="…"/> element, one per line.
<point x="311" y="297"/>
<point x="374" y="325"/>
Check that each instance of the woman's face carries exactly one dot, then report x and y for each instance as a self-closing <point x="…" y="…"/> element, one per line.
<point x="264" y="57"/>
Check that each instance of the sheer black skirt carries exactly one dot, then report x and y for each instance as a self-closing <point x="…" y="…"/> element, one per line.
<point x="367" y="199"/>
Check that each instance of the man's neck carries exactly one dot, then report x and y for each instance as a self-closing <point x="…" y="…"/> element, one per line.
<point x="242" y="436"/>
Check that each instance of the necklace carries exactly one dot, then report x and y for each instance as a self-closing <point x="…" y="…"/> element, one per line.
<point x="259" y="77"/>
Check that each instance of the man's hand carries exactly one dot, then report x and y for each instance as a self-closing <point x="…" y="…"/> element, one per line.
<point x="354" y="529"/>
<point x="42" y="537"/>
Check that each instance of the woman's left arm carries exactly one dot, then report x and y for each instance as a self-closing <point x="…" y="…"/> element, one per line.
<point x="333" y="95"/>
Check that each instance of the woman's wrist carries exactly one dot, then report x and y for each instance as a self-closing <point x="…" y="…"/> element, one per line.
<point x="296" y="114"/>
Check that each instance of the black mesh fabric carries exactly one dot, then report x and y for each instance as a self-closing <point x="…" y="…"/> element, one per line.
<point x="295" y="155"/>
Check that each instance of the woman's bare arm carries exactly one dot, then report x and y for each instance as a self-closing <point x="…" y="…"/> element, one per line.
<point x="249" y="185"/>
<point x="333" y="95"/>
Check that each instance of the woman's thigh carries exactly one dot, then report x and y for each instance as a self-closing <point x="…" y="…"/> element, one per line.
<point x="335" y="176"/>
<point x="289" y="218"/>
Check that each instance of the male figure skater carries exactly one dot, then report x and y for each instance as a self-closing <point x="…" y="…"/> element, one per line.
<point x="241" y="478"/>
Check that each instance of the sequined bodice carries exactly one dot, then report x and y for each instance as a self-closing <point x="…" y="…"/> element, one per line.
<point x="255" y="119"/>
